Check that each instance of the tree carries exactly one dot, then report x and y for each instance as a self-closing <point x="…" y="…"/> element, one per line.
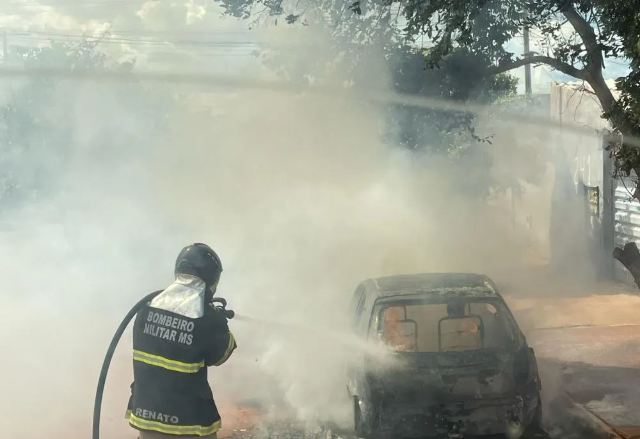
<point x="359" y="33"/>
<point x="620" y="20"/>
<point x="39" y="123"/>
<point x="450" y="134"/>
<point x="576" y="35"/>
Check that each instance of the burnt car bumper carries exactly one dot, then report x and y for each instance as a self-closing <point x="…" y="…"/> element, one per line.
<point x="470" y="418"/>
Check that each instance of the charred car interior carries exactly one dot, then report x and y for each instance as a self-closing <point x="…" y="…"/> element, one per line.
<point x="463" y="365"/>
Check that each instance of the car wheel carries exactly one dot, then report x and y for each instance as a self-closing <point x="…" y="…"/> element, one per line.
<point x="360" y="427"/>
<point x="536" y="423"/>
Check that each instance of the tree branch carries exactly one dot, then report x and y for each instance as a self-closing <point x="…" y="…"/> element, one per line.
<point x="560" y="66"/>
<point x="595" y="58"/>
<point x="587" y="34"/>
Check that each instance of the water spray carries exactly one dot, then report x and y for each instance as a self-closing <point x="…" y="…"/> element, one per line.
<point x="347" y="340"/>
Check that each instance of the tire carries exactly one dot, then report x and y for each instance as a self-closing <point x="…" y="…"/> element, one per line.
<point x="361" y="429"/>
<point x="535" y="427"/>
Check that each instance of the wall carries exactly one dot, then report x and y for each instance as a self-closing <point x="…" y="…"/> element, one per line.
<point x="626" y="222"/>
<point x="577" y="162"/>
<point x="582" y="163"/>
<point x="531" y="209"/>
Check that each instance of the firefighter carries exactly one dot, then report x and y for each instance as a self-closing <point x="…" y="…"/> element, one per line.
<point x="176" y="337"/>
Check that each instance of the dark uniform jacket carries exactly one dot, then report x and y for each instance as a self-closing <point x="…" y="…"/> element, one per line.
<point x="175" y="338"/>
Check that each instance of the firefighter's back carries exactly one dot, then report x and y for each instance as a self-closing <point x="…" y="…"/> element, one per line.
<point x="173" y="344"/>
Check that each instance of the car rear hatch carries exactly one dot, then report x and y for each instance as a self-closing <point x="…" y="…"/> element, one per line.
<point x="446" y="377"/>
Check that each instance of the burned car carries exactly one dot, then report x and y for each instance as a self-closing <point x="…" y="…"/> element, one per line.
<point x="463" y="364"/>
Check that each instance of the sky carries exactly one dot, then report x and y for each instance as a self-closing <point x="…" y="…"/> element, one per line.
<point x="139" y="29"/>
<point x="204" y="40"/>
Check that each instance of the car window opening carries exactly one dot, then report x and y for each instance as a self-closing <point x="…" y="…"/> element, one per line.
<point x="444" y="327"/>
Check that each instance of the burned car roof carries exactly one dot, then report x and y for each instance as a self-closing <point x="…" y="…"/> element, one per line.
<point x="449" y="284"/>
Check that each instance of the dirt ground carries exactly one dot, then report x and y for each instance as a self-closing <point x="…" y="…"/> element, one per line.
<point x="619" y="305"/>
<point x="588" y="347"/>
<point x="598" y="366"/>
<point x="238" y="421"/>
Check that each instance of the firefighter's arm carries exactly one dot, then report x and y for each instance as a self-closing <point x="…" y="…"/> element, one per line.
<point x="220" y="342"/>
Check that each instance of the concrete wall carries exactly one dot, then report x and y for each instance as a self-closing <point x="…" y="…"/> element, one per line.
<point x="577" y="236"/>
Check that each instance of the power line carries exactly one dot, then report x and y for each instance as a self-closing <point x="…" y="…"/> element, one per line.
<point x="141" y="31"/>
<point x="245" y="47"/>
<point x="73" y="3"/>
<point x="192" y="50"/>
<point x="114" y="46"/>
<point x="37" y="35"/>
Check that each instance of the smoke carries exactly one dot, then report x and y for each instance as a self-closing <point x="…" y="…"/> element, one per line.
<point x="296" y="192"/>
<point x="303" y="201"/>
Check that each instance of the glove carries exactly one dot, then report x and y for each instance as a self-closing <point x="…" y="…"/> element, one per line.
<point x="227" y="313"/>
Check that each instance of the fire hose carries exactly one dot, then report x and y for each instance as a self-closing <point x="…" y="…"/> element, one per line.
<point x="97" y="406"/>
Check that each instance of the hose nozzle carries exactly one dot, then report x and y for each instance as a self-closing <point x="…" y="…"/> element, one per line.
<point x="228" y="313"/>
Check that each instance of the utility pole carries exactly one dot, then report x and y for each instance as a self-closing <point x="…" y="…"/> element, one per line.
<point x="4" y="47"/>
<point x="527" y="67"/>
